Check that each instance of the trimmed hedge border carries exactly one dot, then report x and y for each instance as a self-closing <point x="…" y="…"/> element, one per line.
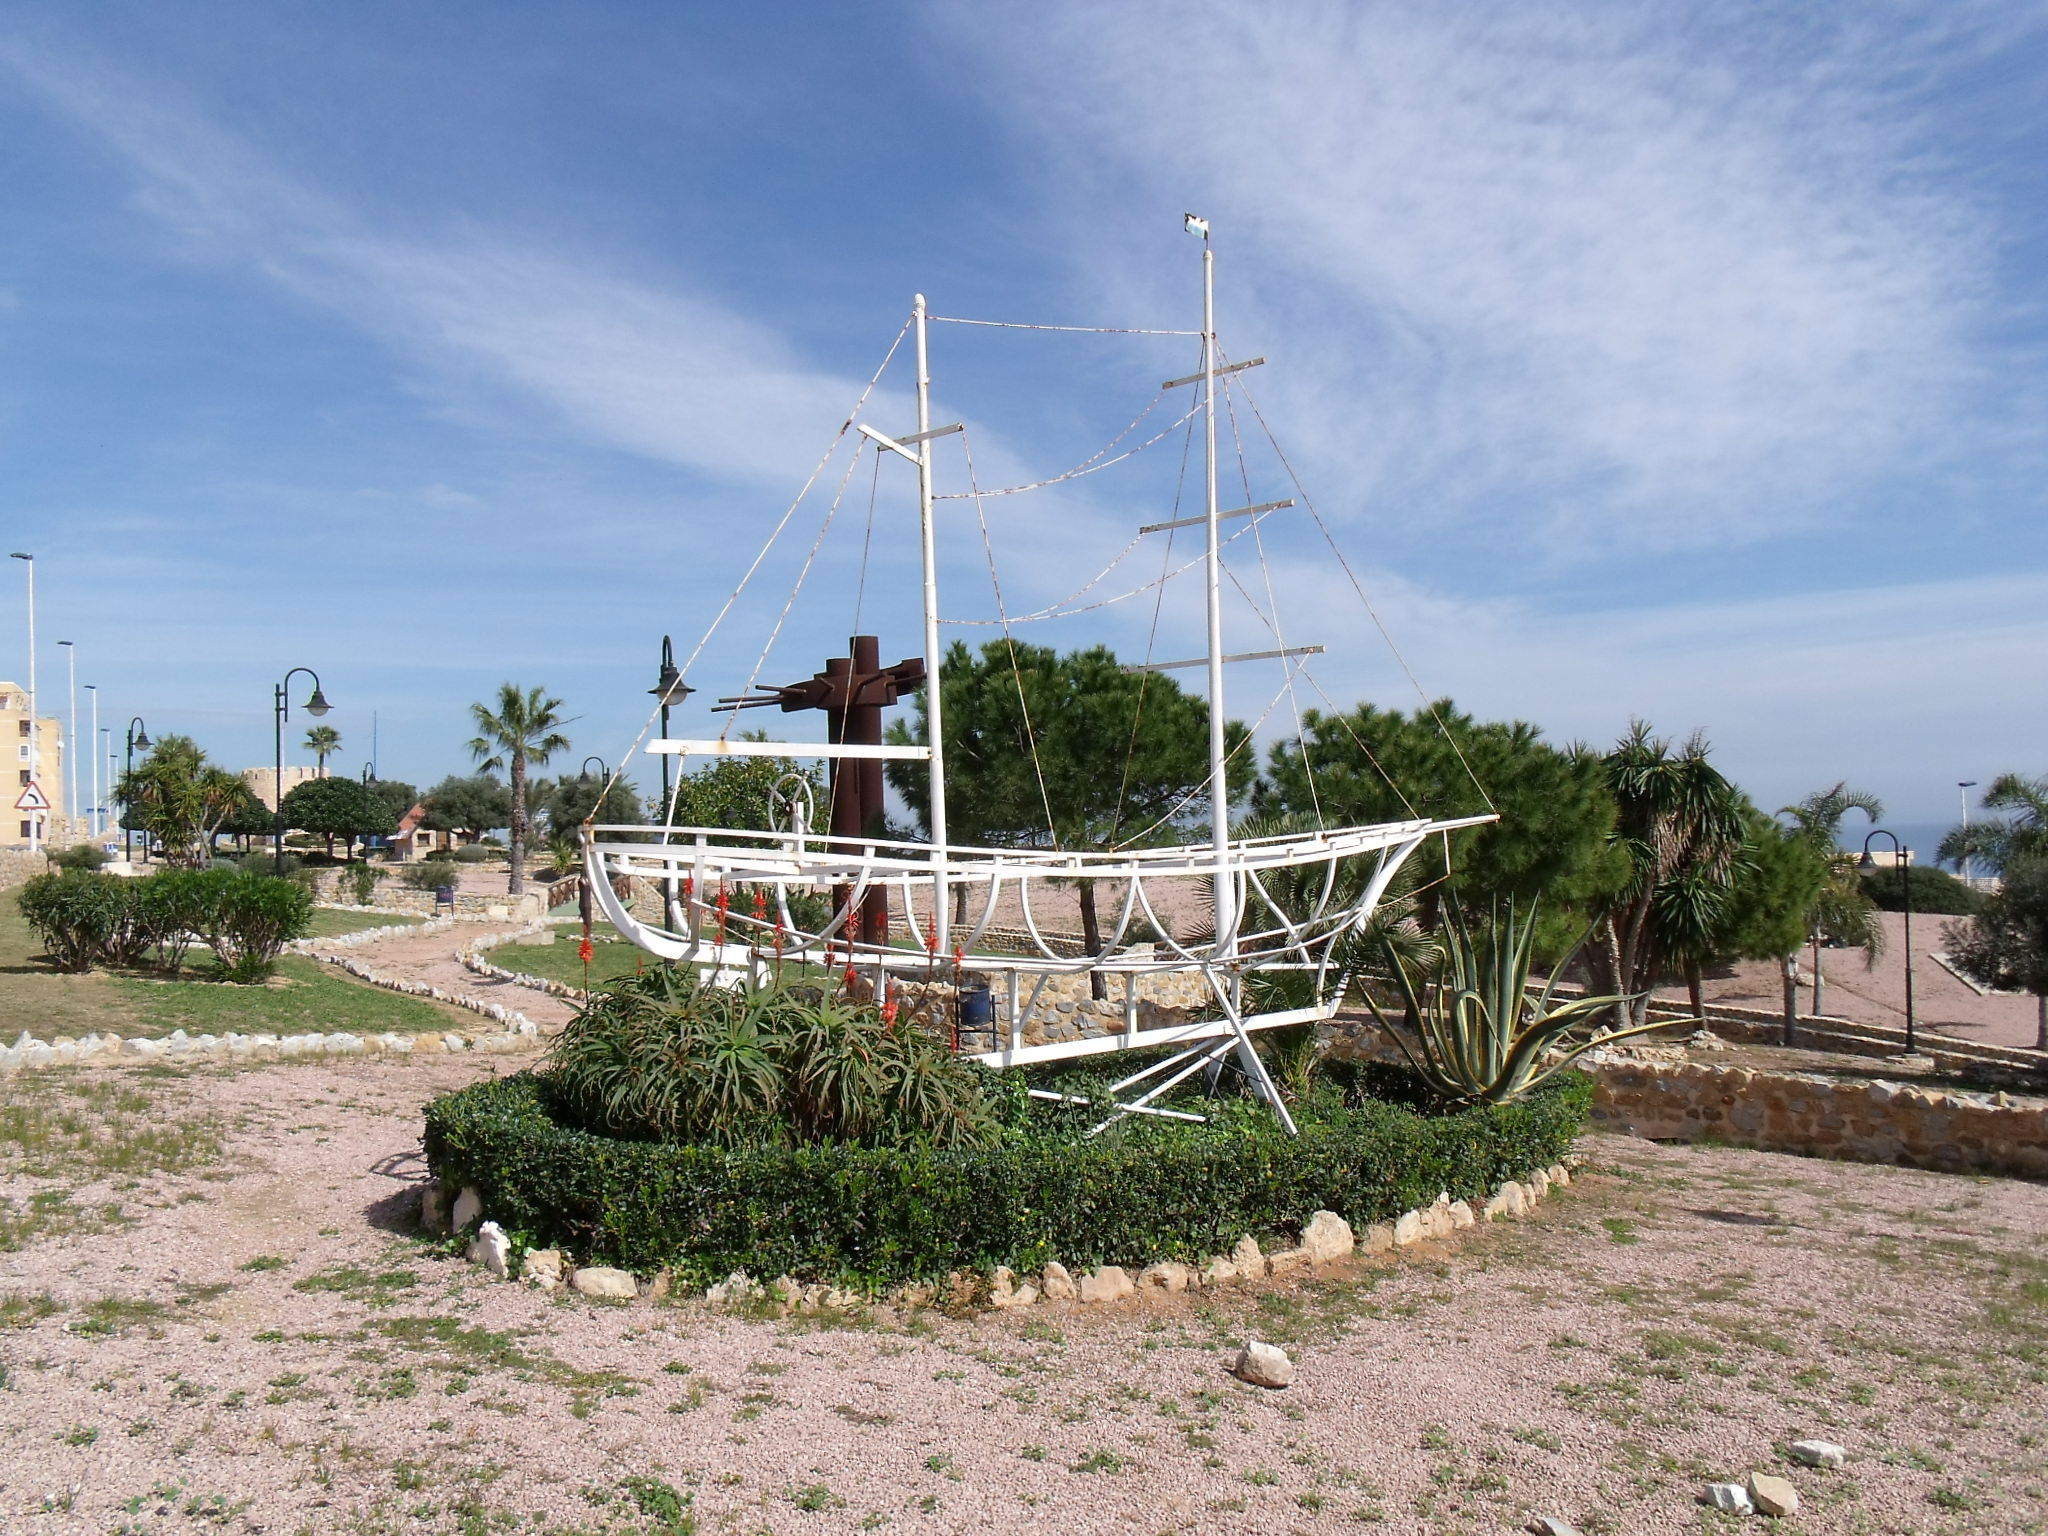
<point x="878" y="1217"/>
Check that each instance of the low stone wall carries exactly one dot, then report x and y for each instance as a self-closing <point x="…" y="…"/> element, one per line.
<point x="1872" y="1122"/>
<point x="18" y="864"/>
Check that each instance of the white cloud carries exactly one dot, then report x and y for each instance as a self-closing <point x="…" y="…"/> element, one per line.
<point x="647" y="366"/>
<point x="1611" y="263"/>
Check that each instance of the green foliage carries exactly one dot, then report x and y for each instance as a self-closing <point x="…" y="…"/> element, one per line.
<point x="431" y="874"/>
<point x="1841" y="911"/>
<point x="91" y="919"/>
<point x="397" y="795"/>
<point x="80" y="856"/>
<point x="2019" y="835"/>
<point x="475" y="853"/>
<point x="2006" y="943"/>
<point x="331" y="808"/>
<point x="661" y="1056"/>
<point x="1556" y="816"/>
<point x="1469" y="1025"/>
<point x="841" y="1212"/>
<point x="1778" y="889"/>
<point x="565" y="804"/>
<point x="360" y="881"/>
<point x="475" y="805"/>
<point x="323" y="741"/>
<point x="739" y="792"/>
<point x="519" y="733"/>
<point x="180" y="799"/>
<point x="1934" y="890"/>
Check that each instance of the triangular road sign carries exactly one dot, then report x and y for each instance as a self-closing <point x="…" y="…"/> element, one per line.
<point x="32" y="798"/>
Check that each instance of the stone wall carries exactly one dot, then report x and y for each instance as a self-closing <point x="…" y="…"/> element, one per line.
<point x="1872" y="1122"/>
<point x="18" y="864"/>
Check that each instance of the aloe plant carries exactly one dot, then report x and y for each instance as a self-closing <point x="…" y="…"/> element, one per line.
<point x="1470" y="1026"/>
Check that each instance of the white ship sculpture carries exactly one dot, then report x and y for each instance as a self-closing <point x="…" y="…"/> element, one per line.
<point x="927" y="885"/>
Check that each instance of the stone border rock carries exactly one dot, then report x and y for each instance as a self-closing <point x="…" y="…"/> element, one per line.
<point x="1326" y="1239"/>
<point x="473" y="960"/>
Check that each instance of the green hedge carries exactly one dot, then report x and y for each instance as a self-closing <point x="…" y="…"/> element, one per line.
<point x="876" y="1216"/>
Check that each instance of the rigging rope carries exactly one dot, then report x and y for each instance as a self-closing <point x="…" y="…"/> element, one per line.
<point x="1089" y="465"/>
<point x="1021" y="325"/>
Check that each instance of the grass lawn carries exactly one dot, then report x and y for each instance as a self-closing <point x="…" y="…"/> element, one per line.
<point x="558" y="962"/>
<point x="327" y="925"/>
<point x="306" y="996"/>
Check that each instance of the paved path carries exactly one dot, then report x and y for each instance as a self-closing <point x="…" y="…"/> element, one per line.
<point x="431" y="958"/>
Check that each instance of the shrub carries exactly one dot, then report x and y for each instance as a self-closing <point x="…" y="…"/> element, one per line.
<point x="249" y="918"/>
<point x="478" y="853"/>
<point x="80" y="856"/>
<point x="430" y="875"/>
<point x="872" y="1215"/>
<point x="76" y="914"/>
<point x="173" y="908"/>
<point x="1934" y="890"/>
<point x="361" y="882"/>
<point x="661" y="1056"/>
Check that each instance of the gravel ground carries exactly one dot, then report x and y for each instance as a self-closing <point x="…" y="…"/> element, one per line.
<point x="255" y="1340"/>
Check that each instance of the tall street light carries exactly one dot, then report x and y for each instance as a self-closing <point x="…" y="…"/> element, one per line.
<point x="35" y="736"/>
<point x="92" y="750"/>
<point x="106" y="740"/>
<point x="670" y="688"/>
<point x="583" y="908"/>
<point x="1963" y="788"/>
<point x="316" y="706"/>
<point x="71" y="737"/>
<point x="138" y="736"/>
<point x="1900" y="856"/>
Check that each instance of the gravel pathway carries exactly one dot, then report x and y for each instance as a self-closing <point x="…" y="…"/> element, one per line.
<point x="256" y="1341"/>
<point x="432" y="959"/>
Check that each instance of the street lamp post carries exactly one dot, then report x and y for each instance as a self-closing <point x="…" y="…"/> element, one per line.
<point x="603" y="779"/>
<point x="670" y="688"/>
<point x="71" y="738"/>
<point x="92" y="748"/>
<point x="138" y="736"/>
<point x="316" y="706"/>
<point x="35" y="737"/>
<point x="1963" y="788"/>
<point x="1900" y="856"/>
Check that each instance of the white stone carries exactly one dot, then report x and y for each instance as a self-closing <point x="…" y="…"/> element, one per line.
<point x="1218" y="1272"/>
<point x="1772" y="1496"/>
<point x="1550" y="1525"/>
<point x="453" y="1041"/>
<point x="492" y="1249"/>
<point x="1461" y="1214"/>
<point x="1407" y="1228"/>
<point x="543" y="1269"/>
<point x="1264" y="1365"/>
<point x="736" y="1287"/>
<point x="1818" y="1453"/>
<point x="787" y="1293"/>
<point x="1165" y="1276"/>
<point x="1379" y="1237"/>
<point x="1057" y="1284"/>
<point x="1559" y="1175"/>
<point x="1328" y="1237"/>
<point x="602" y="1284"/>
<point x="1731" y="1498"/>
<point x="1539" y="1184"/>
<point x="1289" y="1261"/>
<point x="1024" y="1295"/>
<point x="468" y="1206"/>
<point x="140" y="1047"/>
<point x="1249" y="1262"/>
<point x="1516" y="1199"/>
<point x="1109" y="1283"/>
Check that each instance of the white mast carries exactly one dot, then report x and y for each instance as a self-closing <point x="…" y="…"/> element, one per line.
<point x="934" y="728"/>
<point x="1219" y="792"/>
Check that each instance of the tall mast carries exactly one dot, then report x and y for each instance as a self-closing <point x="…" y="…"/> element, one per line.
<point x="1219" y="792"/>
<point x="934" y="727"/>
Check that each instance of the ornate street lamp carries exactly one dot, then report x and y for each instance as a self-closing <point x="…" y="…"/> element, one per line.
<point x="1902" y="857"/>
<point x="316" y="706"/>
<point x="670" y="688"/>
<point x="138" y="736"/>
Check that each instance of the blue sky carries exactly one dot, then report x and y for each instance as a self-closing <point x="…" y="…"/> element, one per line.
<point x="1675" y="361"/>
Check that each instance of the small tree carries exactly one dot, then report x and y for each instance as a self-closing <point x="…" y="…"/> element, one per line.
<point x="520" y="731"/>
<point x="1842" y="911"/>
<point x="250" y="818"/>
<point x="2006" y="944"/>
<point x="473" y="805"/>
<point x="323" y="741"/>
<point x="396" y="794"/>
<point x="176" y="796"/>
<point x="2020" y="834"/>
<point x="334" y="808"/>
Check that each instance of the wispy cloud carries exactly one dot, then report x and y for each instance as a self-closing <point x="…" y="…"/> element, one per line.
<point x="1670" y="278"/>
<point x="649" y="366"/>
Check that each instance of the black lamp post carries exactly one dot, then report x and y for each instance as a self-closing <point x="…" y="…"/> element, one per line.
<point x="670" y="688"/>
<point x="1902" y="857"/>
<point x="138" y="736"/>
<point x="316" y="706"/>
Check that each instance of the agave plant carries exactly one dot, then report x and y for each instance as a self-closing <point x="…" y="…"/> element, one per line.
<point x="1469" y="1025"/>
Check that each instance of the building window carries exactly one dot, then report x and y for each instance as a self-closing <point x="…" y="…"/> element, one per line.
<point x="22" y="729"/>
<point x="28" y="829"/>
<point x="26" y="775"/>
<point x="21" y="752"/>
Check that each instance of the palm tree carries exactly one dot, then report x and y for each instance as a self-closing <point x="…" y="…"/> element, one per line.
<point x="522" y="730"/>
<point x="179" y="798"/>
<point x="323" y="741"/>
<point x="1842" y="913"/>
<point x="1680" y="827"/>
<point x="1997" y="845"/>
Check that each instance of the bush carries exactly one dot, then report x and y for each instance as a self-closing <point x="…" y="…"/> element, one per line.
<point x="360" y="880"/>
<point x="875" y="1215"/>
<point x="1934" y="890"/>
<point x="431" y="875"/>
<point x="249" y="918"/>
<point x="78" y="915"/>
<point x="659" y="1056"/>
<point x="93" y="919"/>
<point x="80" y="856"/>
<point x="478" y="853"/>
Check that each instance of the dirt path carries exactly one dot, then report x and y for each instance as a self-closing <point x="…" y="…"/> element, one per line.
<point x="255" y="1341"/>
<point x="432" y="959"/>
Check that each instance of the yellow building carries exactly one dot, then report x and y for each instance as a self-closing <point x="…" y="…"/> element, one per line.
<point x="42" y="762"/>
<point x="262" y="782"/>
